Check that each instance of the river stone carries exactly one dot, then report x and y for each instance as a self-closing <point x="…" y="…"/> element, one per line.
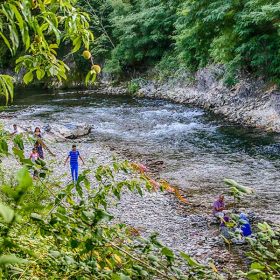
<point x="70" y="131"/>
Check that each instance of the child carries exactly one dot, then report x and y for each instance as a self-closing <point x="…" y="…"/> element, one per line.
<point x="34" y="156"/>
<point x="74" y="157"/>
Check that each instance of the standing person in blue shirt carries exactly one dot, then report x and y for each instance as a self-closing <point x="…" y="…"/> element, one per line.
<point x="74" y="157"/>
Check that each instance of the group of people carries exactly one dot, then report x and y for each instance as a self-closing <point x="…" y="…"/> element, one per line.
<point x="73" y="157"/>
<point x="38" y="153"/>
<point x="238" y="232"/>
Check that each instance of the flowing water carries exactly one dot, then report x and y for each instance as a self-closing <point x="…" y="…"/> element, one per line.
<point x="187" y="146"/>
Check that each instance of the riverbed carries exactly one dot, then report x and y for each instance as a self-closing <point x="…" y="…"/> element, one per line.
<point x="189" y="147"/>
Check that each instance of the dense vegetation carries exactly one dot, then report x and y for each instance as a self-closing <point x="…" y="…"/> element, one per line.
<point x="51" y="229"/>
<point x="140" y="34"/>
<point x="31" y="32"/>
<point x="242" y="35"/>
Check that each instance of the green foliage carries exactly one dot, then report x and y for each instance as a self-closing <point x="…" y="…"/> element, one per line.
<point x="6" y="87"/>
<point x="265" y="254"/>
<point x="34" y="30"/>
<point x="239" y="34"/>
<point x="4" y="149"/>
<point x="100" y="15"/>
<point x="242" y="35"/>
<point x="236" y="190"/>
<point x="138" y="32"/>
<point x="18" y="142"/>
<point x="50" y="231"/>
<point x="133" y="86"/>
<point x="169" y="67"/>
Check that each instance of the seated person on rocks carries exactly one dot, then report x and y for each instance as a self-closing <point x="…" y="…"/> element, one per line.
<point x="219" y="207"/>
<point x="239" y="233"/>
<point x="245" y="225"/>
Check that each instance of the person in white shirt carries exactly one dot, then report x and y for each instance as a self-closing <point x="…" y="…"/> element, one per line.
<point x="15" y="130"/>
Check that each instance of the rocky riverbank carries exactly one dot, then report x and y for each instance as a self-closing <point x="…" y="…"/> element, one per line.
<point x="183" y="227"/>
<point x="191" y="152"/>
<point x="251" y="102"/>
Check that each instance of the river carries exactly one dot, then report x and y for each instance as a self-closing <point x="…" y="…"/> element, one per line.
<point x="187" y="146"/>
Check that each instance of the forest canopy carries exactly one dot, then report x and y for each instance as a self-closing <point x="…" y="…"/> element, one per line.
<point x="242" y="35"/>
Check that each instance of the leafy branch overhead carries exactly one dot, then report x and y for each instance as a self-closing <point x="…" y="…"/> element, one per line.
<point x="33" y="31"/>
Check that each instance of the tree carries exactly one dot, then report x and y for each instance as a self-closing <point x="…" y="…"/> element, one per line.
<point x="34" y="30"/>
<point x="100" y="11"/>
<point x="142" y="30"/>
<point x="243" y="35"/>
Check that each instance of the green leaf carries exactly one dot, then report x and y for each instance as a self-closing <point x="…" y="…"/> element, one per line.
<point x="10" y="259"/>
<point x="6" y="41"/>
<point x="14" y="36"/>
<point x="121" y="276"/>
<point x="256" y="274"/>
<point x="36" y="217"/>
<point x="18" y="152"/>
<point x="87" y="78"/>
<point x="40" y="74"/>
<point x="55" y="254"/>
<point x="6" y="87"/>
<point x="190" y="260"/>
<point x="3" y="147"/>
<point x="18" y="16"/>
<point x="138" y="188"/>
<point x="24" y="178"/>
<point x="167" y="252"/>
<point x="7" y="213"/>
<point x="18" y="141"/>
<point x="77" y="42"/>
<point x="53" y="71"/>
<point x="102" y="215"/>
<point x="28" y="77"/>
<point x="256" y="265"/>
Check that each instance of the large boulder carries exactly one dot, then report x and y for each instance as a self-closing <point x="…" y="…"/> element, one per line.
<point x="69" y="131"/>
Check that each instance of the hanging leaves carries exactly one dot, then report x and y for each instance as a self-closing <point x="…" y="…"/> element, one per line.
<point x="40" y="28"/>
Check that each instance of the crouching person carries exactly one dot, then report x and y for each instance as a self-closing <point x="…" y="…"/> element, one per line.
<point x="219" y="207"/>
